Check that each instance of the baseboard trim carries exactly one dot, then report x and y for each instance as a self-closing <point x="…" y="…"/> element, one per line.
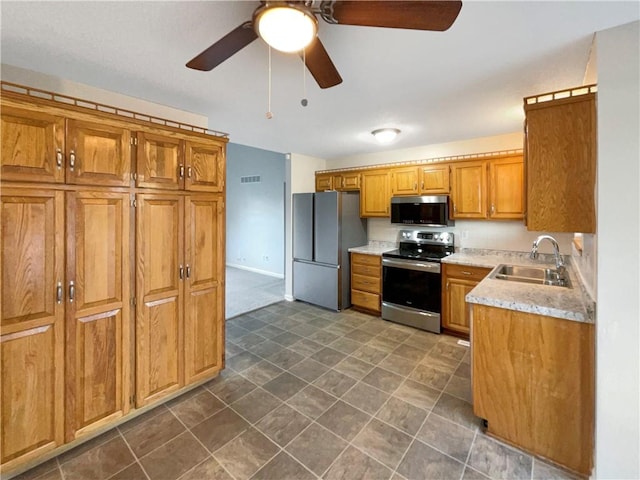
<point x="256" y="270"/>
<point x="289" y="298"/>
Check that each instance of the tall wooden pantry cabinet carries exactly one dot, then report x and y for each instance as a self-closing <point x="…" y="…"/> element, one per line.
<point x="112" y="260"/>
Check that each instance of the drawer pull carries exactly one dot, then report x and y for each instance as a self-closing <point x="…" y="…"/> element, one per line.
<point x="464" y="272"/>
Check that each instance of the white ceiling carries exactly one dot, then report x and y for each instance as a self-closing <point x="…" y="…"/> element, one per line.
<point x="436" y="87"/>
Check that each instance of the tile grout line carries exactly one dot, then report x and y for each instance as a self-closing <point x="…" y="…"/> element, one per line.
<point x="137" y="460"/>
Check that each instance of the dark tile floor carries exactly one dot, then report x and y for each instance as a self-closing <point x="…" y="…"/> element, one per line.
<point x="309" y="393"/>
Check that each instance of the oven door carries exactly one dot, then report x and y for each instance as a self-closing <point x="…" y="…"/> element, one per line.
<point x="412" y="283"/>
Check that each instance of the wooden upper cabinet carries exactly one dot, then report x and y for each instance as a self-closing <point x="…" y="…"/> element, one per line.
<point x="98" y="317"/>
<point x="375" y="197"/>
<point x="205" y="162"/>
<point x="160" y="161"/>
<point x="32" y="146"/>
<point x="98" y="154"/>
<point x="31" y="324"/>
<point x="204" y="286"/>
<point x="159" y="311"/>
<point x="345" y="182"/>
<point x="506" y="188"/>
<point x="560" y="149"/>
<point x="324" y="182"/>
<point x="404" y="181"/>
<point x="434" y="180"/>
<point x="172" y="163"/>
<point x="469" y="189"/>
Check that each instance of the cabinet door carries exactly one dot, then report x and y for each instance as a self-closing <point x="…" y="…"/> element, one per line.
<point x="98" y="154"/>
<point x="205" y="163"/>
<point x="455" y="313"/>
<point x="469" y="190"/>
<point x="506" y="188"/>
<point x="204" y="286"/>
<point x="374" y="194"/>
<point x="324" y="182"/>
<point x="98" y="314"/>
<point x="31" y="325"/>
<point x="159" y="324"/>
<point x="160" y="162"/>
<point x="434" y="180"/>
<point x="404" y="181"/>
<point x="350" y="181"/>
<point x="561" y="165"/>
<point x="32" y="147"/>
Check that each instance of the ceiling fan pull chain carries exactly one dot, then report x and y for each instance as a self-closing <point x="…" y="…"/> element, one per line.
<point x="304" y="100"/>
<point x="269" y="114"/>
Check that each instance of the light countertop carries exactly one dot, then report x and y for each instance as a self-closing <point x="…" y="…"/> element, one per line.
<point x="566" y="303"/>
<point x="374" y="248"/>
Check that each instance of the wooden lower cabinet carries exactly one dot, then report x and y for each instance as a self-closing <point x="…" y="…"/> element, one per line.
<point x="457" y="282"/>
<point x="97" y="310"/>
<point x="31" y="324"/>
<point x="533" y="381"/>
<point x="179" y="286"/>
<point x="366" y="282"/>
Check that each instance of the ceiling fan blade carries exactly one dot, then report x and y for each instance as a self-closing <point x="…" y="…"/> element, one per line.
<point x="320" y="65"/>
<point x="231" y="43"/>
<point x="416" y="15"/>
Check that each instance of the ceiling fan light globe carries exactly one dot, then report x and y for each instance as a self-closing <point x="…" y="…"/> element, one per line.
<point x="287" y="29"/>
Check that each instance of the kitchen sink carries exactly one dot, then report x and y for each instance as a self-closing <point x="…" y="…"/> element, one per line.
<point x="535" y="275"/>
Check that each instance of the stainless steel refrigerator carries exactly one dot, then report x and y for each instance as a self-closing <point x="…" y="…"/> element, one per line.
<point x="325" y="226"/>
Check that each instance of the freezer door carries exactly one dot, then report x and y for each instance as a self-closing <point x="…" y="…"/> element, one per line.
<point x="303" y="226"/>
<point x="327" y="228"/>
<point x="317" y="284"/>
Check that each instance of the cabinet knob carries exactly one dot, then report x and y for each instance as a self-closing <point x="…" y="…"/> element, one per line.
<point x="59" y="158"/>
<point x="493" y="209"/>
<point x="72" y="160"/>
<point x="188" y="271"/>
<point x="59" y="292"/>
<point x="181" y="272"/>
<point x="181" y="171"/>
<point x="72" y="292"/>
<point x="188" y="172"/>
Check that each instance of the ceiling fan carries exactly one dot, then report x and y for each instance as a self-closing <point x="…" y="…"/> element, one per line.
<point x="301" y="18"/>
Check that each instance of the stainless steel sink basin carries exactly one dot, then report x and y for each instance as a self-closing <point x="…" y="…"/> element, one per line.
<point x="535" y="275"/>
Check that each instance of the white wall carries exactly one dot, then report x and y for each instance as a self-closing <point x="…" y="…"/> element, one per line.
<point x="300" y="173"/>
<point x="618" y="333"/>
<point x="50" y="83"/>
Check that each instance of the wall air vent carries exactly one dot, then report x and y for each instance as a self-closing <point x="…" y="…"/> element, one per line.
<point x="250" y="179"/>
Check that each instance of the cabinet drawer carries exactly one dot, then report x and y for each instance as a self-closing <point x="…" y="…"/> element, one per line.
<point x="364" y="259"/>
<point x="463" y="271"/>
<point x="370" y="301"/>
<point x="363" y="282"/>
<point x="369" y="270"/>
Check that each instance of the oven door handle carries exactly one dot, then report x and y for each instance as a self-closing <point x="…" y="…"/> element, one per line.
<point x="432" y="267"/>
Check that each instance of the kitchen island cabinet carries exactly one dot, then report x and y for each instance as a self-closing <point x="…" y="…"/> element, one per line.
<point x="533" y="382"/>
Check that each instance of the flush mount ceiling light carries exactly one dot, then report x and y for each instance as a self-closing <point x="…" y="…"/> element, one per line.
<point x="288" y="28"/>
<point x="385" y="135"/>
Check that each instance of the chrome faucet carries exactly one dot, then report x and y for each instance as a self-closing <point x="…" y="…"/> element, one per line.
<point x="560" y="268"/>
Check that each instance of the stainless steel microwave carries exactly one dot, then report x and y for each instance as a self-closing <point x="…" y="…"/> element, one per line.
<point x="428" y="211"/>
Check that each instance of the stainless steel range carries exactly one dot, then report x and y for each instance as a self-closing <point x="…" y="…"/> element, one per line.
<point x="411" y="279"/>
